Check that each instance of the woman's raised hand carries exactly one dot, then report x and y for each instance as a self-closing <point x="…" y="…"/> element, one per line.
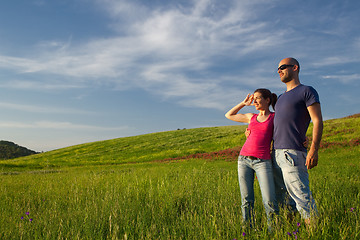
<point x="249" y="99"/>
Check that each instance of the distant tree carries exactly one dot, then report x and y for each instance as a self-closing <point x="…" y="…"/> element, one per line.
<point x="9" y="150"/>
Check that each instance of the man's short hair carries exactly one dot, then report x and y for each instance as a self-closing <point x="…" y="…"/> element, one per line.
<point x="295" y="62"/>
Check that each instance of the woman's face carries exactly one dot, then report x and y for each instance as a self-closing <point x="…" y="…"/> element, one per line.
<point x="261" y="103"/>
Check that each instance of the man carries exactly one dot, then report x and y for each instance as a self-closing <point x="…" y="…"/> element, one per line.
<point x="294" y="110"/>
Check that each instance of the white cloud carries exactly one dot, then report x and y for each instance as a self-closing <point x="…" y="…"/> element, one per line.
<point x="40" y="85"/>
<point x="59" y="126"/>
<point x="158" y="50"/>
<point x="23" y="64"/>
<point x="345" y="78"/>
<point x="169" y="51"/>
<point x="334" y="60"/>
<point x="41" y="109"/>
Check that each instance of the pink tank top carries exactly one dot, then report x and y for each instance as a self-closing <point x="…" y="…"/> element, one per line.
<point x="261" y="133"/>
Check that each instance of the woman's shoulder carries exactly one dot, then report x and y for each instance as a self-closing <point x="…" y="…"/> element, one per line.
<point x="271" y="117"/>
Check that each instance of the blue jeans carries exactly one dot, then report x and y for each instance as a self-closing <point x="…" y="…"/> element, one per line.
<point x="246" y="171"/>
<point x="290" y="171"/>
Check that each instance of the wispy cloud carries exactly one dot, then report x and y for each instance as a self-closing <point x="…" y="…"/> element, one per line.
<point x="344" y="78"/>
<point x="41" y="109"/>
<point x="59" y="126"/>
<point x="41" y="85"/>
<point x="334" y="60"/>
<point x="22" y="64"/>
<point x="173" y="50"/>
<point x="163" y="50"/>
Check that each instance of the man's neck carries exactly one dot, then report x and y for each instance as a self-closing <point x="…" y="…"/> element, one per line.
<point x="292" y="84"/>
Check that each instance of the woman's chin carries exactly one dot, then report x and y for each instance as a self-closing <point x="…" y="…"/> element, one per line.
<point x="259" y="108"/>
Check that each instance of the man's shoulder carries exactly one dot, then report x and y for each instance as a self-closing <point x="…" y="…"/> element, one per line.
<point x="305" y="91"/>
<point x="306" y="88"/>
<point x="310" y="95"/>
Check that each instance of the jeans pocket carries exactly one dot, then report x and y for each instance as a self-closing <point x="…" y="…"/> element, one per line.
<point x="290" y="158"/>
<point x="241" y="160"/>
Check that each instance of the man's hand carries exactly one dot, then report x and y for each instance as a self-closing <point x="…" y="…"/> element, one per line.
<point x="306" y="143"/>
<point x="312" y="159"/>
<point x="247" y="133"/>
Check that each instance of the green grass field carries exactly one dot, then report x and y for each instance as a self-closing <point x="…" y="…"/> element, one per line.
<point x="169" y="185"/>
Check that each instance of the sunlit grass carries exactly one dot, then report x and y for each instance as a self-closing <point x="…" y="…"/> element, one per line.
<point x="99" y="191"/>
<point x="192" y="199"/>
<point x="143" y="148"/>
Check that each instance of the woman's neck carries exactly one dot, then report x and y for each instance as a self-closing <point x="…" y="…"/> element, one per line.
<point x="265" y="112"/>
<point x="263" y="115"/>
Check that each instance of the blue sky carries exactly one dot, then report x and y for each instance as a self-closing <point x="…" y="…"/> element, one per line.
<point x="76" y="71"/>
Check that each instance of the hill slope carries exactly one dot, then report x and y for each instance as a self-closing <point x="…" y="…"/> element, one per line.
<point x="143" y="148"/>
<point x="9" y="150"/>
<point x="343" y="132"/>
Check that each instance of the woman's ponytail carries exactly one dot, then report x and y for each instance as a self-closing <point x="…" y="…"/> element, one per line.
<point x="273" y="100"/>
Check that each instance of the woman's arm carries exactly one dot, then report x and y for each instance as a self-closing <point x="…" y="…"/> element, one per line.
<point x="233" y="114"/>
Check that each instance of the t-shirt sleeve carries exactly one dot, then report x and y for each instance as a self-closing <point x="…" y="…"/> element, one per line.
<point x="311" y="96"/>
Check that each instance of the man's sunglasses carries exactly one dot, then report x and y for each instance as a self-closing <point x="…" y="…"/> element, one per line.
<point x="284" y="66"/>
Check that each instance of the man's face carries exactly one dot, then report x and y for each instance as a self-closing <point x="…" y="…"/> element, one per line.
<point x="286" y="71"/>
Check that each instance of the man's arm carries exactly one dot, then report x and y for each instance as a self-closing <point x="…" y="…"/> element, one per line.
<point x="316" y="118"/>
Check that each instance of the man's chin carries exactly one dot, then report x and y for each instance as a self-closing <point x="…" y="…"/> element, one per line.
<point x="285" y="80"/>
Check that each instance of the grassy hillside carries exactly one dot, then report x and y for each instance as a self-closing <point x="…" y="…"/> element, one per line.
<point x="96" y="191"/>
<point x="143" y="148"/>
<point x="168" y="145"/>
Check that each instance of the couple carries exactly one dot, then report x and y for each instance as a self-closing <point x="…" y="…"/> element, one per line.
<point x="287" y="174"/>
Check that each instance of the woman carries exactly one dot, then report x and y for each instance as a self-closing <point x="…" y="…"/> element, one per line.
<point x="255" y="154"/>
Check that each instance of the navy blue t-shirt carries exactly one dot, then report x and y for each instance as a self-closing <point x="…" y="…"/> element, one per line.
<point x="292" y="117"/>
